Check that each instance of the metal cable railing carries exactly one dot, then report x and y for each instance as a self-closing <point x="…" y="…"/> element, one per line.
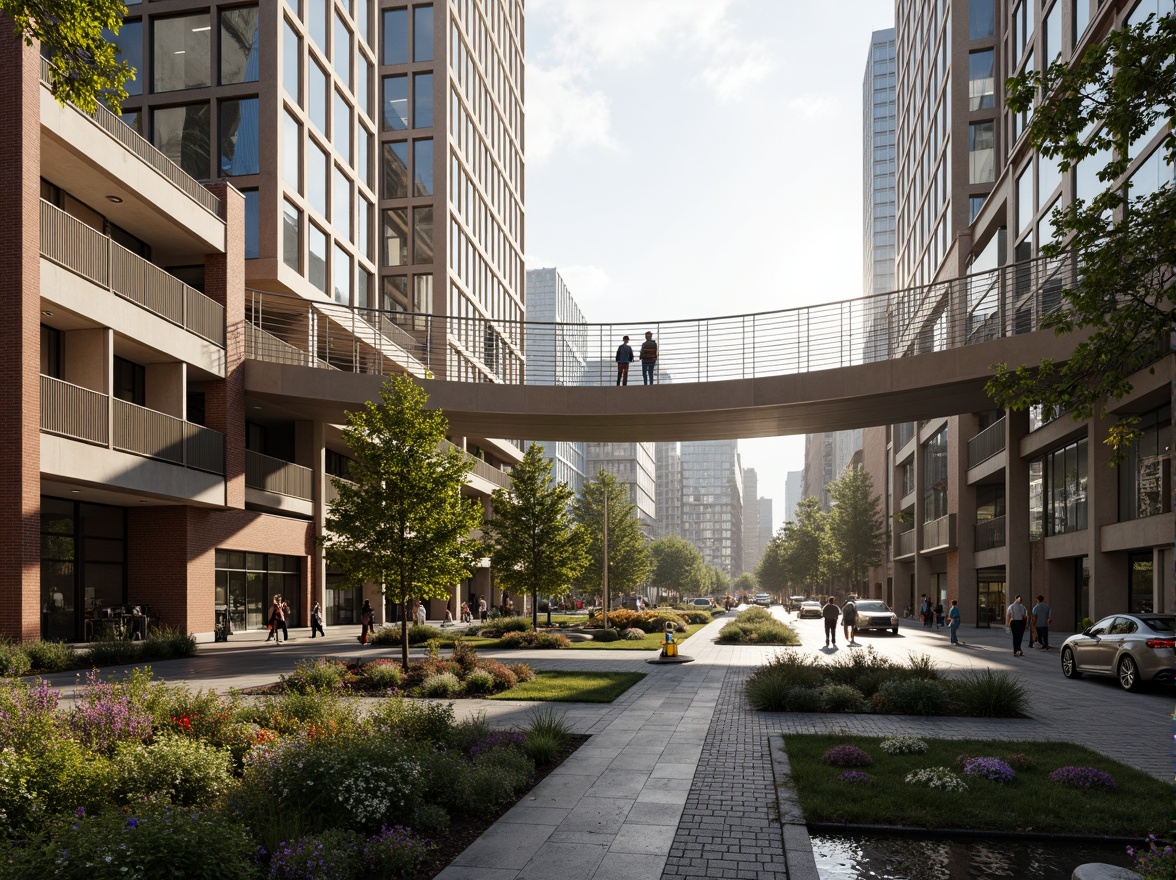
<point x="936" y="317"/>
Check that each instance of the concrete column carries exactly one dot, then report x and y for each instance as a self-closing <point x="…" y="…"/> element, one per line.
<point x="310" y="449"/>
<point x="167" y="388"/>
<point x="1108" y="571"/>
<point x="1019" y="574"/>
<point x="963" y="572"/>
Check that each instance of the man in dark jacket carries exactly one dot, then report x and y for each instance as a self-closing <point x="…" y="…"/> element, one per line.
<point x="831" y="612"/>
<point x="648" y="359"/>
<point x="624" y="358"/>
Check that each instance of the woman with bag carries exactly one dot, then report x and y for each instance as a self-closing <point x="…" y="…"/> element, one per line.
<point x="276" y="621"/>
<point x="365" y="619"/>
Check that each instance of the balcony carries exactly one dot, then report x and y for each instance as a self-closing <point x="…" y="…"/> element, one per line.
<point x="905" y="545"/>
<point x="277" y="477"/>
<point x="78" y="413"/>
<point x="987" y="443"/>
<point x="487" y="472"/>
<point x="990" y="533"/>
<point x="85" y="251"/>
<point x="939" y="534"/>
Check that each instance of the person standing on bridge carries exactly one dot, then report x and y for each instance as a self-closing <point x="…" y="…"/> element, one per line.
<point x="648" y="359"/>
<point x="624" y="358"/>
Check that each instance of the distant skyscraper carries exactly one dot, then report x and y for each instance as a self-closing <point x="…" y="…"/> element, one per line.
<point x="825" y="458"/>
<point x="669" y="489"/>
<point x="712" y="502"/>
<point x="879" y="156"/>
<point x="633" y="466"/>
<point x="556" y="359"/>
<point x="793" y="492"/>
<point x="752" y="547"/>
<point x="767" y="524"/>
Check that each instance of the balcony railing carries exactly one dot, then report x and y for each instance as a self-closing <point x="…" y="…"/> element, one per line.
<point x="277" y="476"/>
<point x="332" y="494"/>
<point x="987" y="443"/>
<point x="906" y="543"/>
<point x="85" y="251"/>
<point x="81" y="414"/>
<point x="939" y="533"/>
<point x="990" y="533"/>
<point x="144" y="150"/>
<point x="482" y="469"/>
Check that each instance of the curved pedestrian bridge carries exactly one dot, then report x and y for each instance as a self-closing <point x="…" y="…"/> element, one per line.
<point x="909" y="355"/>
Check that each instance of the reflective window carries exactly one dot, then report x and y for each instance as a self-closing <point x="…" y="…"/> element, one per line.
<point x="1081" y="18"/>
<point x="363" y="159"/>
<point x="182" y="134"/>
<point x="317" y="103"/>
<point x="129" y="43"/>
<point x="975" y="203"/>
<point x="363" y="20"/>
<point x="181" y="52"/>
<point x="341" y="126"/>
<point x="291" y="60"/>
<point x="362" y="96"/>
<point x="291" y="223"/>
<point x="1155" y="172"/>
<point x="341" y="202"/>
<point x="238" y="50"/>
<point x="1053" y="34"/>
<point x="1086" y="182"/>
<point x="394" y="170"/>
<point x="422" y="235"/>
<point x="1048" y="177"/>
<point x="422" y="97"/>
<point x="317" y="251"/>
<point x="981" y="80"/>
<point x="1025" y="198"/>
<point x="422" y="33"/>
<point x="935" y="467"/>
<point x="239" y="153"/>
<point x="341" y="270"/>
<point x="291" y="152"/>
<point x="394" y="293"/>
<point x="1141" y="474"/>
<point x="342" y="56"/>
<point x="363" y="286"/>
<point x="364" y="222"/>
<point x="395" y="236"/>
<point x="395" y="42"/>
<point x="422" y="294"/>
<point x="252" y="224"/>
<point x="316" y="22"/>
<point x="318" y="169"/>
<point x="422" y="167"/>
<point x="981" y="152"/>
<point x="395" y="103"/>
<point x="981" y="19"/>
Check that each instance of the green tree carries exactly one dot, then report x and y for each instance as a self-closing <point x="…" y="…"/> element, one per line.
<point x="806" y="544"/>
<point x="534" y="545"/>
<point x="774" y="570"/>
<point x="719" y="581"/>
<point x="1098" y="111"/>
<point x="83" y="66"/>
<point x="400" y="519"/>
<point x="678" y="567"/>
<point x="855" y="526"/>
<point x="745" y="585"/>
<point x="628" y="554"/>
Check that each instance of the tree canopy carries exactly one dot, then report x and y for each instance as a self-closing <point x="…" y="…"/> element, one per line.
<point x="628" y="554"/>
<point x="678" y="567"/>
<point x="535" y="547"/>
<point x="855" y="529"/>
<point x="84" y="67"/>
<point x="400" y="519"/>
<point x="1097" y="113"/>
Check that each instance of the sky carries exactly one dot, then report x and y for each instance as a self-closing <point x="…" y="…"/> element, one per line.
<point x="687" y="158"/>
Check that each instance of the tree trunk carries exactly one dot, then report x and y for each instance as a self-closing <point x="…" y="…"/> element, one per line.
<point x="404" y="636"/>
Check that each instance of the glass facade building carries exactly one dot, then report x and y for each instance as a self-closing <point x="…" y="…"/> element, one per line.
<point x="712" y="502"/>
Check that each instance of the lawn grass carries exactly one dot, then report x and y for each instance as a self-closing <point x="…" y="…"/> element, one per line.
<point x="1030" y="803"/>
<point x="651" y="642"/>
<point x="573" y="687"/>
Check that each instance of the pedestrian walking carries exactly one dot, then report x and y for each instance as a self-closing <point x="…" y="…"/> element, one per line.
<point x="939" y="615"/>
<point x="624" y="358"/>
<point x="466" y="617"/>
<point x="285" y="621"/>
<point x="953" y="622"/>
<point x="1016" y="615"/>
<point x="830" y="613"/>
<point x="420" y="613"/>
<point x="316" y="621"/>
<point x="849" y="621"/>
<point x="1042" y="615"/>
<point x="483" y="611"/>
<point x="366" y="617"/>
<point x="648" y="359"/>
<point x="275" y="621"/>
<point x="925" y="611"/>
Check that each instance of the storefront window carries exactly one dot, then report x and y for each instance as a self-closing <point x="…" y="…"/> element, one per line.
<point x="1142" y="476"/>
<point x="1140" y="599"/>
<point x="990" y="598"/>
<point x="83" y="566"/>
<point x="247" y="582"/>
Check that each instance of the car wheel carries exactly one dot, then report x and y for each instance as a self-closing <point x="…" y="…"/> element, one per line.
<point x="1069" y="664"/>
<point x="1129" y="673"/>
<point x="894" y="629"/>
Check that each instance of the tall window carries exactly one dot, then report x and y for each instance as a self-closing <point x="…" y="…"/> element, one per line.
<point x="238" y="137"/>
<point x="291" y="62"/>
<point x="395" y="103"/>
<point x="1057" y="491"/>
<point x="982" y="80"/>
<point x="981" y="19"/>
<point x="395" y="42"/>
<point x="422" y="33"/>
<point x="422" y="97"/>
<point x="1142" y="475"/>
<point x="291" y="224"/>
<point x="394" y="168"/>
<point x="182" y="59"/>
<point x="252" y="224"/>
<point x="129" y="43"/>
<point x="982" y="152"/>
<point x="422" y="167"/>
<point x="935" y="467"/>
<point x="238" y="33"/>
<point x="182" y="134"/>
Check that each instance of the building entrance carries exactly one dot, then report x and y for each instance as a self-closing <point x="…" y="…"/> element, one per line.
<point x="990" y="597"/>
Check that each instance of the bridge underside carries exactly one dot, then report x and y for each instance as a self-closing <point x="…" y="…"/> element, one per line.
<point x="886" y="392"/>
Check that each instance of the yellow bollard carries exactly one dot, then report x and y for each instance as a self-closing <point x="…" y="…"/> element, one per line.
<point x="670" y="647"/>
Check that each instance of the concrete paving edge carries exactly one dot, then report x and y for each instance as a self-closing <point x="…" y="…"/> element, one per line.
<point x="798" y="847"/>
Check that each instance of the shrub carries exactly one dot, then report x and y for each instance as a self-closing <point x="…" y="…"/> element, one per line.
<point x="381" y="675"/>
<point x="796" y="669"/>
<point x="846" y="756"/>
<point x="165" y="643"/>
<point x="531" y="639"/>
<point x="940" y="778"/>
<point x="464" y="656"/>
<point x="49" y="656"/>
<point x="504" y="678"/>
<point x="28" y="715"/>
<point x="914" y="697"/>
<point x="842" y="698"/>
<point x="56" y="777"/>
<point x="478" y="681"/>
<point x="1021" y="763"/>
<point x="903" y="745"/>
<point x="111" y="652"/>
<point x="417" y="634"/>
<point x="290" y="713"/>
<point x="804" y="699"/>
<point x="492" y="780"/>
<point x="513" y="623"/>
<point x="13" y="660"/>
<point x="147" y="842"/>
<point x="992" y="769"/>
<point x="547" y="735"/>
<point x="394" y="853"/>
<point x="633" y="634"/>
<point x="430" y="723"/>
<point x="431" y="818"/>
<point x="522" y="671"/>
<point x="856" y="777"/>
<point x="987" y="693"/>
<point x="312" y="676"/>
<point x="1083" y="777"/>
<point x="106" y="714"/>
<point x="443" y="684"/>
<point x="695" y="617"/>
<point x="333" y="855"/>
<point x="921" y="666"/>
<point x="606" y="635"/>
<point x="176" y="768"/>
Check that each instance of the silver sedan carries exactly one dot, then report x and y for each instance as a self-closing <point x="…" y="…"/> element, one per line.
<point x="1135" y="648"/>
<point x="875" y="614"/>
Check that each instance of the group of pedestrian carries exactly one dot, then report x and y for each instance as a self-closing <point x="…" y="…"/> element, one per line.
<point x="1036" y="620"/>
<point x="648" y="355"/>
<point x="279" y="614"/>
<point x="830" y="612"/>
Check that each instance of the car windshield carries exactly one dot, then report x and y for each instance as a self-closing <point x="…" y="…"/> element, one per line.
<point x="871" y="606"/>
<point x="1160" y="624"/>
<point x="818" y="604"/>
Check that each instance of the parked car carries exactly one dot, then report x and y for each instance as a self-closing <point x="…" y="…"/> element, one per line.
<point x="809" y="609"/>
<point x="794" y="602"/>
<point x="704" y="604"/>
<point x="1135" y="648"/>
<point x="763" y="599"/>
<point x="875" y="614"/>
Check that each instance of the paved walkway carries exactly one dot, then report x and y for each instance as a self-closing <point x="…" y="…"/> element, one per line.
<point x="677" y="780"/>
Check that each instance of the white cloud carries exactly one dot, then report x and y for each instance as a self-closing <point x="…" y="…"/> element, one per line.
<point x="561" y="114"/>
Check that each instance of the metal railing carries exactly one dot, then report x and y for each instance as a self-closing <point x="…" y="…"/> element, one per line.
<point x="275" y="475"/>
<point x="81" y="414"/>
<point x="936" y="317"/>
<point x="990" y="533"/>
<point x="939" y="533"/>
<point x="331" y="492"/>
<point x="81" y="249"/>
<point x="131" y="140"/>
<point x="987" y="443"/>
<point x="905" y="545"/>
<point x="482" y="469"/>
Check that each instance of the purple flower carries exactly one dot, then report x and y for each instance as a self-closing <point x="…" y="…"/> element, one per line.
<point x="992" y="769"/>
<point x="132" y="822"/>
<point x="1082" y="777"/>
<point x="856" y="777"/>
<point x="846" y="756"/>
<point x="80" y="812"/>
